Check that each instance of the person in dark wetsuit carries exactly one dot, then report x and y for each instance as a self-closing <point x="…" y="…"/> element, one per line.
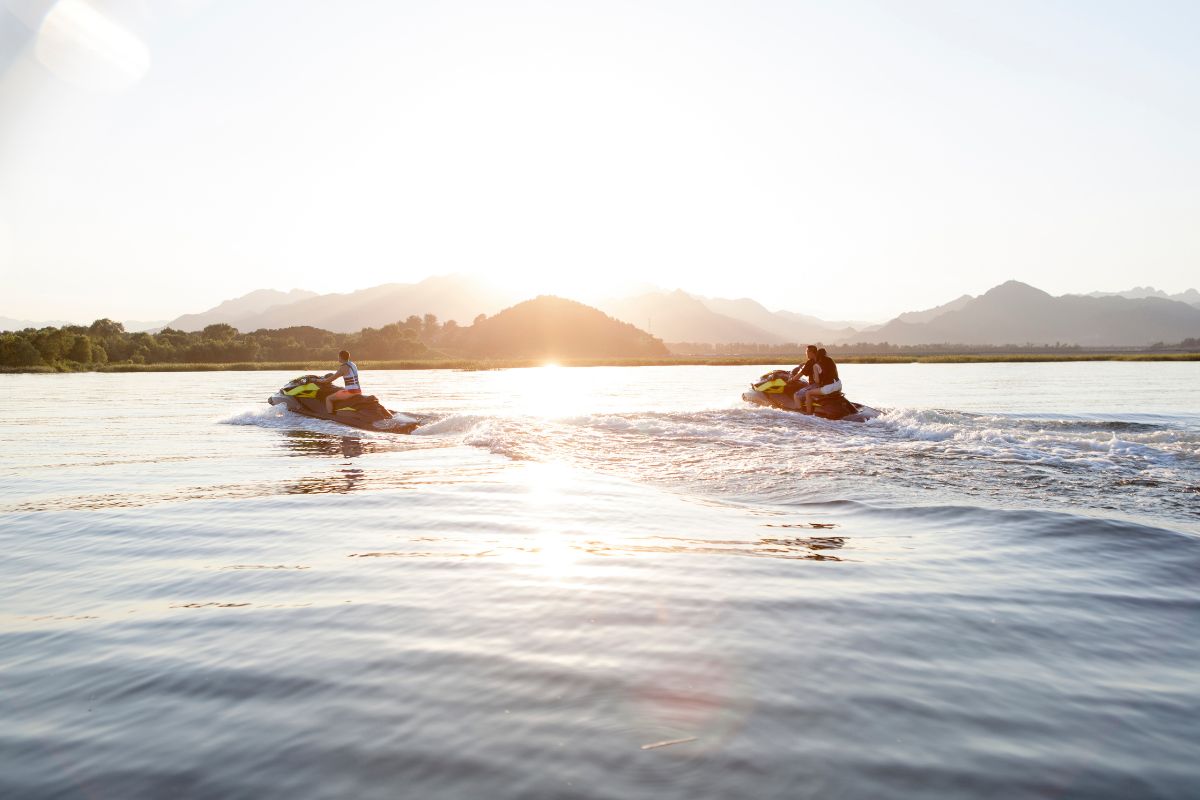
<point x="822" y="377"/>
<point x="347" y="370"/>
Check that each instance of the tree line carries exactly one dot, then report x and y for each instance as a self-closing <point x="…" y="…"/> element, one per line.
<point x="107" y="342"/>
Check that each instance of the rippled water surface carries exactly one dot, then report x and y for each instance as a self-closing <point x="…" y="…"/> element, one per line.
<point x="604" y="583"/>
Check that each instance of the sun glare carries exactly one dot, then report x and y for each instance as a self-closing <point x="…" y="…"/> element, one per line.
<point x="551" y="550"/>
<point x="540" y="392"/>
<point x="555" y="557"/>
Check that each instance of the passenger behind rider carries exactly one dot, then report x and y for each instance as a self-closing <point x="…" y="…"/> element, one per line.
<point x="348" y="371"/>
<point x="822" y="377"/>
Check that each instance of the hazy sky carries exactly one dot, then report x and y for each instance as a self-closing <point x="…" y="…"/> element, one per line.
<point x="848" y="159"/>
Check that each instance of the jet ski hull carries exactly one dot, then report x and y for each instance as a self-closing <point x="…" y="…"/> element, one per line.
<point x="361" y="411"/>
<point x="835" y="406"/>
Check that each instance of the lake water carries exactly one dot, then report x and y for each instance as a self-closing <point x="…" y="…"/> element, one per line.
<point x="604" y="583"/>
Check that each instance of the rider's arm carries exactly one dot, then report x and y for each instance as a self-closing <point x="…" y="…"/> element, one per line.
<point x="342" y="371"/>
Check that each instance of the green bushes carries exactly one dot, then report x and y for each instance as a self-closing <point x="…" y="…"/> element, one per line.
<point x="104" y="342"/>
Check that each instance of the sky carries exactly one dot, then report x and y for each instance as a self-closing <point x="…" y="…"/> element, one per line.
<point x="850" y="160"/>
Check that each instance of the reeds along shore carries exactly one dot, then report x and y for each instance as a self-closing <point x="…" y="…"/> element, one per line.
<point x="666" y="361"/>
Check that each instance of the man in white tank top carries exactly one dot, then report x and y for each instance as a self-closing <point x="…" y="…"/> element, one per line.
<point x="348" y="371"/>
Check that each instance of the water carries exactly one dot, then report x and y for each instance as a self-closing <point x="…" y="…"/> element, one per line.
<point x="604" y="583"/>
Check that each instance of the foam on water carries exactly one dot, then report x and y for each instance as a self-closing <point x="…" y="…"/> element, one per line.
<point x="751" y="450"/>
<point x="279" y="418"/>
<point x="748" y="451"/>
<point x="260" y="415"/>
<point x="453" y="423"/>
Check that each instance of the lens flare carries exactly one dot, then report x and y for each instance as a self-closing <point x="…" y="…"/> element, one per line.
<point x="86" y="47"/>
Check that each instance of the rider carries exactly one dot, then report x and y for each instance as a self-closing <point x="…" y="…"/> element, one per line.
<point x="822" y="375"/>
<point x="347" y="370"/>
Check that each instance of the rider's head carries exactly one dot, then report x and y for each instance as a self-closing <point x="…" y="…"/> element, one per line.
<point x="821" y="352"/>
<point x="344" y="356"/>
<point x="811" y="351"/>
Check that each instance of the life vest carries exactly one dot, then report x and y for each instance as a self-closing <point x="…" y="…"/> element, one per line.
<point x="825" y="371"/>
<point x="351" y="378"/>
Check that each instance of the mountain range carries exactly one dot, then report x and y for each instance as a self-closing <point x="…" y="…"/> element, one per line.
<point x="448" y="297"/>
<point x="1016" y="313"/>
<point x="1191" y="296"/>
<point x="1013" y="313"/>
<point x="242" y="308"/>
<point x="681" y="317"/>
<point x="671" y="316"/>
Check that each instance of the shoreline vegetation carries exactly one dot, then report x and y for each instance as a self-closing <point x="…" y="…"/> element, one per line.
<point x="473" y="364"/>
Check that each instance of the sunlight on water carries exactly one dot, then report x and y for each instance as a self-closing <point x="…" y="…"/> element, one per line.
<point x="546" y="391"/>
<point x="549" y="497"/>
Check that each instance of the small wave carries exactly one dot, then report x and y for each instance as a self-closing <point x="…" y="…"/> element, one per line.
<point x="1015" y="522"/>
<point x="280" y="418"/>
<point x="256" y="415"/>
<point x="455" y="423"/>
<point x="923" y="424"/>
<point x="1044" y="441"/>
<point x="713" y="427"/>
<point x="398" y="422"/>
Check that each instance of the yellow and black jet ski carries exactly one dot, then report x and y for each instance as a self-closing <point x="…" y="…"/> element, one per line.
<point x="778" y="388"/>
<point x="306" y="395"/>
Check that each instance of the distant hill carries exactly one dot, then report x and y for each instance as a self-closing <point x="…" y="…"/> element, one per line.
<point x="789" y="326"/>
<point x="10" y="324"/>
<point x="679" y="317"/>
<point x="930" y="314"/>
<point x="1191" y="296"/>
<point x="447" y="297"/>
<point x="240" y="308"/>
<point x="131" y="325"/>
<point x="1016" y="313"/>
<point x="837" y="326"/>
<point x="551" y="327"/>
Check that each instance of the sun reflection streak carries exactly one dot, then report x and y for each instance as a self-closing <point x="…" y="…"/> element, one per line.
<point x="555" y="557"/>
<point x="548" y="497"/>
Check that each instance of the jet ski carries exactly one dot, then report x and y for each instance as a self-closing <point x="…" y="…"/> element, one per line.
<point x="306" y="395"/>
<point x="777" y="389"/>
